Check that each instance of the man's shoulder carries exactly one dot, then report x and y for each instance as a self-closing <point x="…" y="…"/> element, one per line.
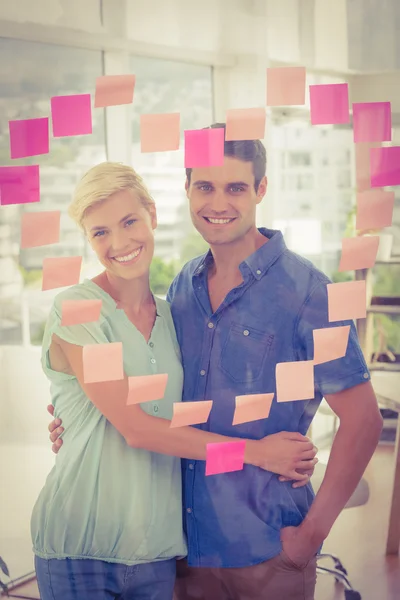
<point x="301" y="268"/>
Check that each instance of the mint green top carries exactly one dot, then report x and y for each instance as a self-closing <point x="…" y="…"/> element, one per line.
<point x="103" y="499"/>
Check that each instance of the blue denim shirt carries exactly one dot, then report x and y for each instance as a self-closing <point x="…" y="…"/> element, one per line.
<point x="234" y="519"/>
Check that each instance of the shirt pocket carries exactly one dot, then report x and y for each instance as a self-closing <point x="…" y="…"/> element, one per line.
<point x="244" y="352"/>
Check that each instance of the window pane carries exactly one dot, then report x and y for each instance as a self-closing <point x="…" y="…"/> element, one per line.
<point x="165" y="87"/>
<point x="30" y="76"/>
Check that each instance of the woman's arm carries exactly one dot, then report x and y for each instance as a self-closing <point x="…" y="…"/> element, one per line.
<point x="282" y="453"/>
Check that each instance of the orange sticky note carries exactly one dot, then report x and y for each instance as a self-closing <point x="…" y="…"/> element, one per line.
<point x="374" y="209"/>
<point x="330" y="343"/>
<point x="347" y="300"/>
<point x="286" y="86"/>
<point x="295" y="381"/>
<point x="252" y="407"/>
<point x="245" y="124"/>
<point x="146" y="388"/>
<point x="103" y="362"/>
<point x="40" y="228"/>
<point x="75" y="312"/>
<point x="61" y="272"/>
<point x="363" y="166"/>
<point x="359" y="252"/>
<point x="191" y="413"/>
<point x="160" y="133"/>
<point x="114" y="90"/>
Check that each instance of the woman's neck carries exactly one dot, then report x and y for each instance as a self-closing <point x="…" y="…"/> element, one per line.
<point x="134" y="294"/>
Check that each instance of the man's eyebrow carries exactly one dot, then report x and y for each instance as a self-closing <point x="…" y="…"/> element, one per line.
<point x="100" y="227"/>
<point x="202" y="182"/>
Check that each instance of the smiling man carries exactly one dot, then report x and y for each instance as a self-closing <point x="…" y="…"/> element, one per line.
<point x="249" y="304"/>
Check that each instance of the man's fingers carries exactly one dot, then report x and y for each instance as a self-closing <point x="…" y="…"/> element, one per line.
<point x="304" y="465"/>
<point x="54" y="424"/>
<point x="298" y="484"/>
<point x="54" y="435"/>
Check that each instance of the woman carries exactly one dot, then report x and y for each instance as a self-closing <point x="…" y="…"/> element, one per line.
<point x="108" y="521"/>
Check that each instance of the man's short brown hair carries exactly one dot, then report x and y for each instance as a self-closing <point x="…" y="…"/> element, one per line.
<point x="247" y="150"/>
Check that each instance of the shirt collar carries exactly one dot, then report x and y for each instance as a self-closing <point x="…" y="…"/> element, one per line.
<point x="257" y="263"/>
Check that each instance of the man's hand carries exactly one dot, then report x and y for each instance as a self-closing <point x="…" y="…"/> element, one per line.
<point x="299" y="545"/>
<point x="55" y="431"/>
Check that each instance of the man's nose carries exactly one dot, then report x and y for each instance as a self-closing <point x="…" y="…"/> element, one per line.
<point x="218" y="202"/>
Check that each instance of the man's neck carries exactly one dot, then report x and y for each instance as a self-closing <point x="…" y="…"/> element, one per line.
<point x="228" y="257"/>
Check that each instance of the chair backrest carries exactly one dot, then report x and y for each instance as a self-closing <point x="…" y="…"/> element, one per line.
<point x="360" y="495"/>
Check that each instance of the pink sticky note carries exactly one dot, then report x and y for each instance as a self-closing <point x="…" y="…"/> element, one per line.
<point x="359" y="252"/>
<point x="330" y="343"/>
<point x="374" y="209"/>
<point x="191" y="413"/>
<point x="76" y="312"/>
<point x="61" y="272"/>
<point x="114" y="90"/>
<point x="40" y="228"/>
<point x="160" y="133"/>
<point x="329" y="103"/>
<point x="347" y="300"/>
<point x="245" y="124"/>
<point x="385" y="166"/>
<point x="225" y="457"/>
<point x="19" y="185"/>
<point x="286" y="86"/>
<point x="372" y="122"/>
<point x="29" y="137"/>
<point x="103" y="362"/>
<point x="71" y="115"/>
<point x="252" y="407"/>
<point x="146" y="388"/>
<point x="363" y="166"/>
<point x="204" y="148"/>
<point x="295" y="381"/>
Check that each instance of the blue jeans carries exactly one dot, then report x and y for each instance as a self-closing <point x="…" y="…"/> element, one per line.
<point x="73" y="579"/>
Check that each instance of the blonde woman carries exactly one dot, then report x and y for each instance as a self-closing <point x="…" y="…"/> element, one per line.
<point x="108" y="522"/>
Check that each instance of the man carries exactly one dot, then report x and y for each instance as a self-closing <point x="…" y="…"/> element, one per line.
<point x="246" y="306"/>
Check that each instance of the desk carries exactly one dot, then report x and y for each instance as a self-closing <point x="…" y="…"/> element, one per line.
<point x="387" y="389"/>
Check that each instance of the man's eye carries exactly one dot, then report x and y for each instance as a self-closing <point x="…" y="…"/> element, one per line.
<point x="205" y="188"/>
<point x="237" y="188"/>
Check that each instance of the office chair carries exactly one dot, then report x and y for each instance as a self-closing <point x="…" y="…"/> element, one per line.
<point x="338" y="571"/>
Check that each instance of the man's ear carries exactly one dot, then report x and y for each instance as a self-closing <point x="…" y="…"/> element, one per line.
<point x="187" y="186"/>
<point x="262" y="189"/>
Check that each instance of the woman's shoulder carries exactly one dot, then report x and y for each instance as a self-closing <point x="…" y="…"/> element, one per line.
<point x="81" y="291"/>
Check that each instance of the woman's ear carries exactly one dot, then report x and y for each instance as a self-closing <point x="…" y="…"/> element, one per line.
<point x="153" y="215"/>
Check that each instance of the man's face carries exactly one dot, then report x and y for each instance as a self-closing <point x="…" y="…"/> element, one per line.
<point x="223" y="200"/>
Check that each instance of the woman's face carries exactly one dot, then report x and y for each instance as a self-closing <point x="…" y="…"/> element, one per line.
<point x="120" y="231"/>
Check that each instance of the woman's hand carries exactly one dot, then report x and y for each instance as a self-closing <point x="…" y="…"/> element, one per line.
<point x="55" y="431"/>
<point x="289" y="454"/>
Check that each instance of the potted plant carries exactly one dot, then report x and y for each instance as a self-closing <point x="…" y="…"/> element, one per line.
<point x="4" y="570"/>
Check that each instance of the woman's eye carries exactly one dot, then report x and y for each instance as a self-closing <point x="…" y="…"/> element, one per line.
<point x="130" y="222"/>
<point x="99" y="233"/>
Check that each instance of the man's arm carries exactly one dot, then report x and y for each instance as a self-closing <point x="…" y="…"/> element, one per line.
<point x="354" y="444"/>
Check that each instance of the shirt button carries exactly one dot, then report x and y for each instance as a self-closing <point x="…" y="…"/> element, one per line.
<point x="189" y="510"/>
<point x="155" y="408"/>
<point x="210" y="325"/>
<point x="246" y="332"/>
<point x="151" y="345"/>
<point x="258" y="272"/>
<point x="202" y="372"/>
<point x="191" y="466"/>
<point x="366" y="376"/>
<point x="153" y="360"/>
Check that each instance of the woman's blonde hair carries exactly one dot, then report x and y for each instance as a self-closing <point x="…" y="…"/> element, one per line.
<point x="100" y="182"/>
